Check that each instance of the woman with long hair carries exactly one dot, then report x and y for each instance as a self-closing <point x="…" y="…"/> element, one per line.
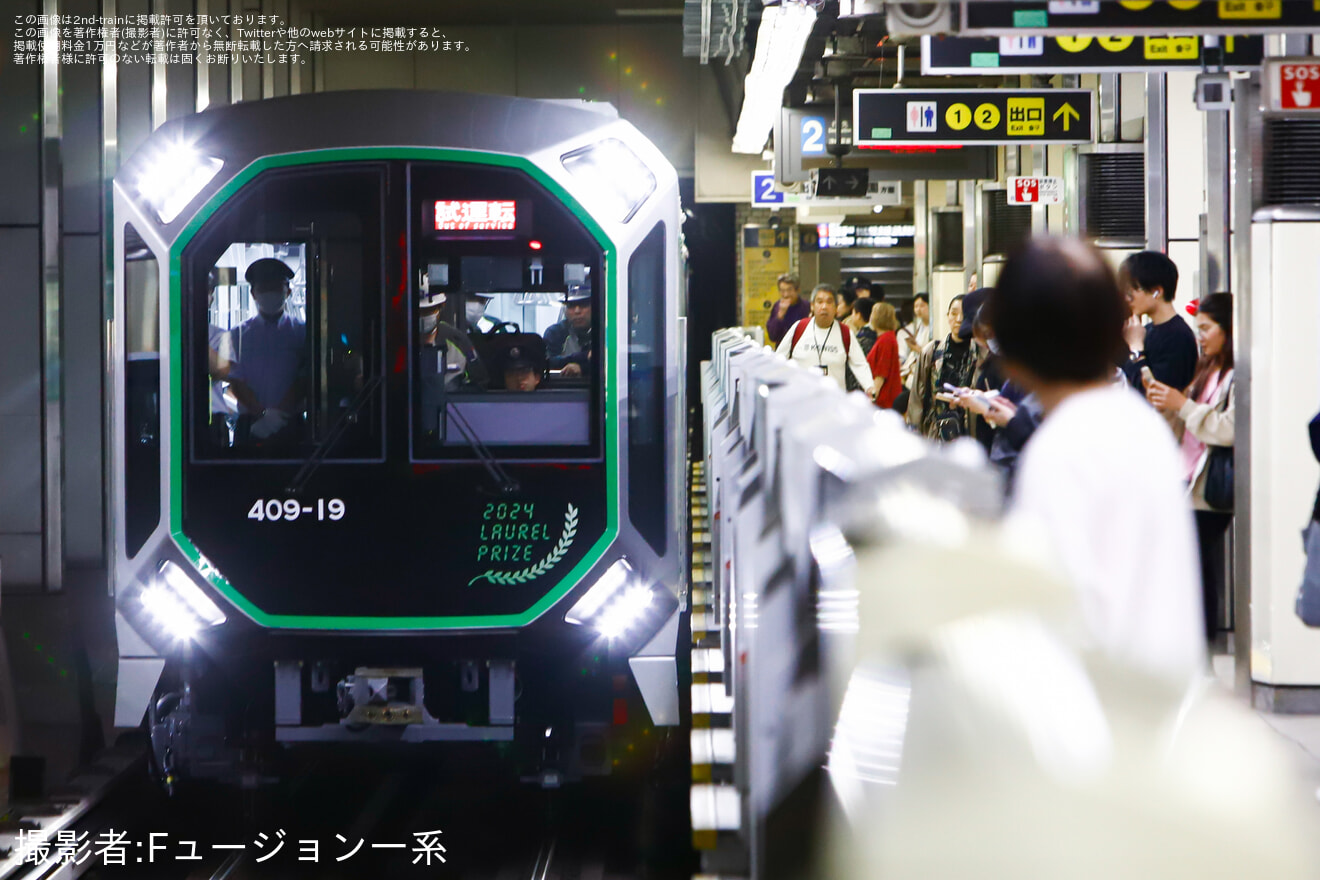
<point x="1205" y="412"/>
<point x="883" y="358"/>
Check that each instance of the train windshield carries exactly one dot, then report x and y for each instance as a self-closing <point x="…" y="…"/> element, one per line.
<point x="507" y="309"/>
<point x="287" y="278"/>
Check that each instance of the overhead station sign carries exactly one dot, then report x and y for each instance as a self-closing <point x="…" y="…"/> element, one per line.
<point x="1044" y="54"/>
<point x="899" y="117"/>
<point x="1227" y="17"/>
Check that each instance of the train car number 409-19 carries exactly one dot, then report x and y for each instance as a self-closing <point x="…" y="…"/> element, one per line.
<point x="291" y="509"/>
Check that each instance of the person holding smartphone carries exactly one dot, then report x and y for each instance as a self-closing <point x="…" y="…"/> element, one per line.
<point x="949" y="362"/>
<point x="1166" y="346"/>
<point x="915" y="335"/>
<point x="1204" y="417"/>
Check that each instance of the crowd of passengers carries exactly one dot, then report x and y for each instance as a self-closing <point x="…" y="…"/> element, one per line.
<point x="1111" y="418"/>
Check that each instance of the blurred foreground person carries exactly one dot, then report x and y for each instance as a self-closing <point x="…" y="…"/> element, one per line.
<point x="1205" y="414"/>
<point x="1099" y="480"/>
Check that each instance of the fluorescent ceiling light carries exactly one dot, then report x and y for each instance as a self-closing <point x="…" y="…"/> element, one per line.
<point x="779" y="43"/>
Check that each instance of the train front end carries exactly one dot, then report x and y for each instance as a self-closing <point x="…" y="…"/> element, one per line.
<point x="398" y="433"/>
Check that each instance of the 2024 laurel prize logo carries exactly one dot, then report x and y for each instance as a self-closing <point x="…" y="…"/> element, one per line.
<point x="509" y="532"/>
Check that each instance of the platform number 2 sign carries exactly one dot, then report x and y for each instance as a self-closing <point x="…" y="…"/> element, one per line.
<point x="763" y="189"/>
<point x="813" y="135"/>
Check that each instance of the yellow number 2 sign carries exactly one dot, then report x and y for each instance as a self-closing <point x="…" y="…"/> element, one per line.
<point x="987" y="117"/>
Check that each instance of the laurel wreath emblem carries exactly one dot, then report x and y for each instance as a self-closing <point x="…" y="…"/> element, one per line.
<point x="523" y="575"/>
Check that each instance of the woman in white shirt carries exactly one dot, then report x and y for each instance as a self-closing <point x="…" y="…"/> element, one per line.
<point x="1100" y="480"/>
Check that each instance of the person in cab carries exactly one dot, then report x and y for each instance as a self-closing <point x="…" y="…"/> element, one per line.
<point x="569" y="343"/>
<point x="270" y="358"/>
<point x="521" y="362"/>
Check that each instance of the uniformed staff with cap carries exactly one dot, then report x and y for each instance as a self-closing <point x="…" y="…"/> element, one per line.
<point x="569" y="342"/>
<point x="271" y="353"/>
<point x="474" y="312"/>
<point x="521" y="362"/>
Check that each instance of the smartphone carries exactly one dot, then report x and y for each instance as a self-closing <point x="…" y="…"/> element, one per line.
<point x="947" y="398"/>
<point x="1147" y="376"/>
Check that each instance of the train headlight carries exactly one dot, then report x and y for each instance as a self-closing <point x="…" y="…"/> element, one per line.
<point x="177" y="604"/>
<point x="615" y="181"/>
<point x="617" y="603"/>
<point x="173" y="177"/>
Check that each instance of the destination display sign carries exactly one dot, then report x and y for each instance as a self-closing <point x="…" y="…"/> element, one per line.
<point x="898" y="117"/>
<point x="1226" y="17"/>
<point x="1038" y="53"/>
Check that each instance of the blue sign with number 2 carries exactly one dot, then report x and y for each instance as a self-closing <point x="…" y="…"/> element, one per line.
<point x="813" y="135"/>
<point x="763" y="189"/>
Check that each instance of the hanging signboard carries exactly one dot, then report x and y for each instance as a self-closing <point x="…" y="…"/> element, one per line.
<point x="898" y="117"/>
<point x="1077" y="54"/>
<point x="765" y="256"/>
<point x="1035" y="190"/>
<point x="766" y="193"/>
<point x="1226" y="17"/>
<point x="1292" y="85"/>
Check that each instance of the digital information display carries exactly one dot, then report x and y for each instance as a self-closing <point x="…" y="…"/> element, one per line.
<point x="472" y="216"/>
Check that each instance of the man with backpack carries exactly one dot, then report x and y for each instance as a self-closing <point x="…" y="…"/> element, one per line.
<point x="821" y="343"/>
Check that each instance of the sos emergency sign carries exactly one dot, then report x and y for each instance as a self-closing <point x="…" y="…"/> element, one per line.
<point x="1035" y="191"/>
<point x="1294" y="84"/>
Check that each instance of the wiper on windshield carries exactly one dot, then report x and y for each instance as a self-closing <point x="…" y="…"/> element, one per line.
<point x="337" y="430"/>
<point x="504" y="484"/>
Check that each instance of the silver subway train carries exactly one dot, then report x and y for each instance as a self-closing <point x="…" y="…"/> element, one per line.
<point x="398" y="431"/>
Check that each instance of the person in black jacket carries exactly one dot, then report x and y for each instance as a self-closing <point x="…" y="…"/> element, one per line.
<point x="1167" y="345"/>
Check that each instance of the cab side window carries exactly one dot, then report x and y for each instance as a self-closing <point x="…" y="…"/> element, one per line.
<point x="141" y="392"/>
<point x="286" y="302"/>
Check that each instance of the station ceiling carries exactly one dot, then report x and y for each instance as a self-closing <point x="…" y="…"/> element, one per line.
<point x="490" y="12"/>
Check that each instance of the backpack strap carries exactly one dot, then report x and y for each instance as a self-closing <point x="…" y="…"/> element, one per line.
<point x="847" y="341"/>
<point x="798" y="329"/>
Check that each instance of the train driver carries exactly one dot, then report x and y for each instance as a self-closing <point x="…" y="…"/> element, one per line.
<point x="271" y="354"/>
<point x="569" y="342"/>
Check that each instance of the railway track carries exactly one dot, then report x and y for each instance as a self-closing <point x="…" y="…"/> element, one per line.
<point x="339" y="819"/>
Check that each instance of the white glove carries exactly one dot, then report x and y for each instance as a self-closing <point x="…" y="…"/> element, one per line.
<point x="271" y="422"/>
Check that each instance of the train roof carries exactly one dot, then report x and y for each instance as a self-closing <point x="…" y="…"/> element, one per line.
<point x="240" y="133"/>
